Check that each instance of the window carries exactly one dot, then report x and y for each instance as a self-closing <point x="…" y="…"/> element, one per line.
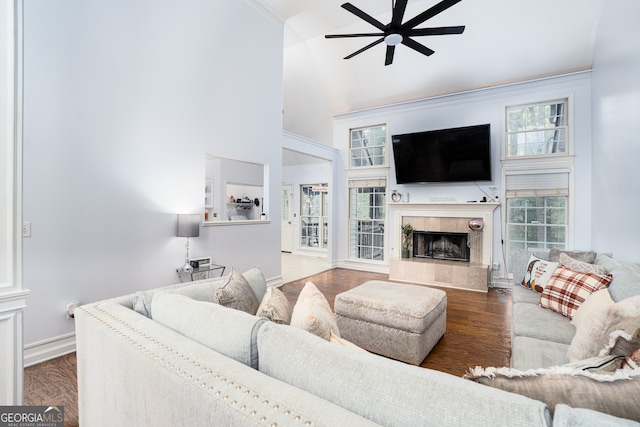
<point x="537" y="129"/>
<point x="314" y="207"/>
<point x="368" y="146"/>
<point x="537" y="210"/>
<point x="367" y="218"/>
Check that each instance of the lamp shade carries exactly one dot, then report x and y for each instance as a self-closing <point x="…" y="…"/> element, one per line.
<point x="188" y="225"/>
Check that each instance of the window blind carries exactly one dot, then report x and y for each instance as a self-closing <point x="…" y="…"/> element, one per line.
<point x="537" y="185"/>
<point x="367" y="182"/>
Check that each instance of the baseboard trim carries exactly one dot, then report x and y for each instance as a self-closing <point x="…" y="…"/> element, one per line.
<point x="363" y="266"/>
<point x="49" y="349"/>
<point x="500" y="282"/>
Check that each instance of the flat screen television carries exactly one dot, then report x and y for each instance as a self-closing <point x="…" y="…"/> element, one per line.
<point x="444" y="155"/>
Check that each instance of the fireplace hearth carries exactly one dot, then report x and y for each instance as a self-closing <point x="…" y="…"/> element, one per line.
<point x="441" y="245"/>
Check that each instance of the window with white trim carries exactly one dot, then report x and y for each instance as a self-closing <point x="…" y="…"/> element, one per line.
<point x="540" y="129"/>
<point x="368" y="146"/>
<point x="537" y="210"/>
<point x="314" y="208"/>
<point x="367" y="214"/>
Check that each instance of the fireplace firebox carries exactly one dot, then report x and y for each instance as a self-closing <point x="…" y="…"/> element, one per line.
<point x="441" y="245"/>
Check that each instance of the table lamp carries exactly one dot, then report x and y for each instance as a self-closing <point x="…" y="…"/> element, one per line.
<point x="188" y="226"/>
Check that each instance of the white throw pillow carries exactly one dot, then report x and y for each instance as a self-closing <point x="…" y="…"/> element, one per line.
<point x="538" y="273"/>
<point x="313" y="314"/>
<point x="601" y="298"/>
<point x="592" y="330"/>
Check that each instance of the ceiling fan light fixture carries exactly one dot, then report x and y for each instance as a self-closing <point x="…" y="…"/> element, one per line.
<point x="393" y="39"/>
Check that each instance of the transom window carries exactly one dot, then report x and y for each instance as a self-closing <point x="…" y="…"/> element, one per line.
<point x="368" y="146"/>
<point x="537" y="129"/>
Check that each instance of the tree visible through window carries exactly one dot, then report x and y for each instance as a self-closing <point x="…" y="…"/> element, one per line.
<point x="369" y="146"/>
<point x="537" y="129"/>
<point x="537" y="222"/>
<point x="366" y="222"/>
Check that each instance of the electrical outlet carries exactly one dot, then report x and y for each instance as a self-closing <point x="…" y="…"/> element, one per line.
<point x="71" y="307"/>
<point x="26" y="229"/>
<point x="496" y="265"/>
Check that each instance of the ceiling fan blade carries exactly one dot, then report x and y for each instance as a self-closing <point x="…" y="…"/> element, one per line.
<point x="417" y="46"/>
<point x="389" y="59"/>
<point x="369" y="46"/>
<point x="429" y="13"/>
<point x="362" y="15"/>
<point x="436" y="31"/>
<point x="342" y="36"/>
<point x="398" y="13"/>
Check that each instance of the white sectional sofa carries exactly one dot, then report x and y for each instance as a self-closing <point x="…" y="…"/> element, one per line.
<point x="171" y="356"/>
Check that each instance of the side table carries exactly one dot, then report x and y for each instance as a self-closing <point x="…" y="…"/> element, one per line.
<point x="199" y="273"/>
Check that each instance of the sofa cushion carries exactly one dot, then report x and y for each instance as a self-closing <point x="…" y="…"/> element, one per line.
<point x="615" y="393"/>
<point x="533" y="353"/>
<point x="225" y="330"/>
<point x="568" y="289"/>
<point x="520" y="294"/>
<point x="256" y="280"/>
<point x="313" y="314"/>
<point x="200" y="290"/>
<point x="565" y="415"/>
<point x="584" y="256"/>
<point x="133" y="371"/>
<point x="275" y="306"/>
<point x="236" y="292"/>
<point x="626" y="282"/>
<point x="361" y="382"/>
<point x="580" y="266"/>
<point x="608" y="262"/>
<point x="538" y="273"/>
<point x="532" y="321"/>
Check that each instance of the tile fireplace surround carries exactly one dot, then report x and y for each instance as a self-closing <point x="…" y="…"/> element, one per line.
<point x="445" y="217"/>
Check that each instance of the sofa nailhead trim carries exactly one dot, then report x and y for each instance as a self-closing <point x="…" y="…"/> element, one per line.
<point x="117" y="330"/>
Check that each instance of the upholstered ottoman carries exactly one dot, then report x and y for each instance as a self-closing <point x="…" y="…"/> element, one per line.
<point x="403" y="322"/>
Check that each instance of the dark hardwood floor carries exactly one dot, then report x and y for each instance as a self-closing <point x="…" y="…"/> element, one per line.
<point x="478" y="326"/>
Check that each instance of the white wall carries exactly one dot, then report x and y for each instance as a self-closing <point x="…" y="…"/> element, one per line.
<point x="616" y="114"/>
<point x="472" y="108"/>
<point x="123" y="98"/>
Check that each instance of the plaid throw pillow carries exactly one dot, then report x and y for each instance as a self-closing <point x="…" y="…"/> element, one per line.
<point x="567" y="289"/>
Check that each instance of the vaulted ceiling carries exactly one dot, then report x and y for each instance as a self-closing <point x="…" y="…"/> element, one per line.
<point x="504" y="41"/>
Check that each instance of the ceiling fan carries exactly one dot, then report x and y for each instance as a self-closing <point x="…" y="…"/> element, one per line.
<point x="396" y="32"/>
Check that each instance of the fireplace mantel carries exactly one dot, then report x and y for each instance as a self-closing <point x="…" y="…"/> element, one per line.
<point x="398" y="211"/>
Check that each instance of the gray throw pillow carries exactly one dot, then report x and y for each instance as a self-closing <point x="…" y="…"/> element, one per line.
<point x="580" y="266"/>
<point x="275" y="306"/>
<point x="236" y="293"/>
<point x="590" y="256"/>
